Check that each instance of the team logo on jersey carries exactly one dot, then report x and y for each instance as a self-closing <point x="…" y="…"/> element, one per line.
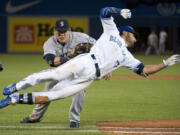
<point x="115" y="40"/>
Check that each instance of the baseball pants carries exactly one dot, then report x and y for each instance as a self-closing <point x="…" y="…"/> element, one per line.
<point x="72" y="77"/>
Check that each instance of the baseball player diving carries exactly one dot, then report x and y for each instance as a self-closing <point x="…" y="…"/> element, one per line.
<point x="56" y="49"/>
<point x="107" y="54"/>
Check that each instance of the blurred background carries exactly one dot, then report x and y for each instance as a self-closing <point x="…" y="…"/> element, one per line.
<point x="26" y="24"/>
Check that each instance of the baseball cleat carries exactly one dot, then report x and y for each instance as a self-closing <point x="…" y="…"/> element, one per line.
<point x="10" y="89"/>
<point x="27" y="120"/>
<point x="74" y="124"/>
<point x="5" y="102"/>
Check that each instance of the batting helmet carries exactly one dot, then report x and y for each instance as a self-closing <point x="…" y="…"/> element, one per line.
<point x="126" y="28"/>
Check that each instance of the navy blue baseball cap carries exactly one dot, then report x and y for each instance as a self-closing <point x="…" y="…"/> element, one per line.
<point x="126" y="28"/>
<point x="62" y="25"/>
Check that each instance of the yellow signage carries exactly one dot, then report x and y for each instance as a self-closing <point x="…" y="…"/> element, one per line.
<point x="28" y="34"/>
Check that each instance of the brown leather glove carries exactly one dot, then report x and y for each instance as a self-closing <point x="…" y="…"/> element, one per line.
<point x="79" y="49"/>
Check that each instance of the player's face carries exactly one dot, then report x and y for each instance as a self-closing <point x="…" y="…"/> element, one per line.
<point x="130" y="39"/>
<point x="62" y="36"/>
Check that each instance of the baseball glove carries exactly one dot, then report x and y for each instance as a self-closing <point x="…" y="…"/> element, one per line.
<point x="79" y="49"/>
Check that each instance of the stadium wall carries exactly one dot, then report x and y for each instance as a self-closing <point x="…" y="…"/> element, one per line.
<point x="147" y="15"/>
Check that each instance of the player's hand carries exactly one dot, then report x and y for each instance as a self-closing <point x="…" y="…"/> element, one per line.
<point x="125" y="13"/>
<point x="174" y="59"/>
<point x="107" y="76"/>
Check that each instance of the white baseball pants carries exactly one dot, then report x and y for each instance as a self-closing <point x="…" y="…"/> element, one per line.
<point x="73" y="76"/>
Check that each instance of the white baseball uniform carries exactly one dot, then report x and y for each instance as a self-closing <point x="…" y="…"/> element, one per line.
<point x="152" y="43"/>
<point x="162" y="41"/>
<point x="107" y="54"/>
<point x="52" y="46"/>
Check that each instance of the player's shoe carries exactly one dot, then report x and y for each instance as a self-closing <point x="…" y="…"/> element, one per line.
<point x="12" y="99"/>
<point x="10" y="89"/>
<point x="5" y="102"/>
<point x="74" y="124"/>
<point x="27" y="120"/>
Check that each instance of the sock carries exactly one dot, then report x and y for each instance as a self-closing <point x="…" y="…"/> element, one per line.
<point x="26" y="98"/>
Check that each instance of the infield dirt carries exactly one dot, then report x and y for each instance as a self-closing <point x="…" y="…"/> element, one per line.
<point x="154" y="127"/>
<point x="159" y="77"/>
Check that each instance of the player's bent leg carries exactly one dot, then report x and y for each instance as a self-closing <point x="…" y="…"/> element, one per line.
<point x="26" y="98"/>
<point x="29" y="81"/>
<point x="40" y="109"/>
<point x="28" y="120"/>
<point x="45" y="97"/>
<point x="69" y="90"/>
<point x="56" y="74"/>
<point x="37" y="78"/>
<point x="37" y="114"/>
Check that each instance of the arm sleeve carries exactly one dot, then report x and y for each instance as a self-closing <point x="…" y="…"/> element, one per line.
<point x="84" y="38"/>
<point x="109" y="11"/>
<point x="107" y="20"/>
<point x="130" y="62"/>
<point x="134" y="64"/>
<point x="48" y="48"/>
<point x="50" y="59"/>
<point x="91" y="40"/>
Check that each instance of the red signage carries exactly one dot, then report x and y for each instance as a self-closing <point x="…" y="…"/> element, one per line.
<point x="23" y="34"/>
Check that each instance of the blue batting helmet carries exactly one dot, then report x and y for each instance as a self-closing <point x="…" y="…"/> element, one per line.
<point x="126" y="28"/>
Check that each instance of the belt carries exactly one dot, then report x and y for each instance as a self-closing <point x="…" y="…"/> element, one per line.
<point x="98" y="73"/>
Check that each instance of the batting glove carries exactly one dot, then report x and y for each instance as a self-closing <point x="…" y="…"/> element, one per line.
<point x="174" y="59"/>
<point x="125" y="13"/>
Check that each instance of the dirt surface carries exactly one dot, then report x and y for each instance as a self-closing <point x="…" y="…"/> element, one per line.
<point x="156" y="127"/>
<point x="159" y="77"/>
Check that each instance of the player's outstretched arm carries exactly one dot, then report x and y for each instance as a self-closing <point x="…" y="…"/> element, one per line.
<point x="110" y="11"/>
<point x="150" y="69"/>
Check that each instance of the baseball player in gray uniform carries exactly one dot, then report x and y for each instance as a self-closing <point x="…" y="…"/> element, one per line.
<point x="55" y="50"/>
<point x="107" y="54"/>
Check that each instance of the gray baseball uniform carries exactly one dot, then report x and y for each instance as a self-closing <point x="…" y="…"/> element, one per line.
<point x="52" y="46"/>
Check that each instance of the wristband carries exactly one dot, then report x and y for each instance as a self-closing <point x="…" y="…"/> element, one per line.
<point x="109" y="11"/>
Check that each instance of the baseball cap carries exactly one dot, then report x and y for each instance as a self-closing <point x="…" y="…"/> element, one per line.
<point x="62" y="25"/>
<point x="127" y="28"/>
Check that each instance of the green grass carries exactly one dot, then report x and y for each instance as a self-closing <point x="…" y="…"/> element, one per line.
<point x="114" y="100"/>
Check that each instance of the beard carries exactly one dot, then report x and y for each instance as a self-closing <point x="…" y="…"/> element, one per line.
<point x="129" y="40"/>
